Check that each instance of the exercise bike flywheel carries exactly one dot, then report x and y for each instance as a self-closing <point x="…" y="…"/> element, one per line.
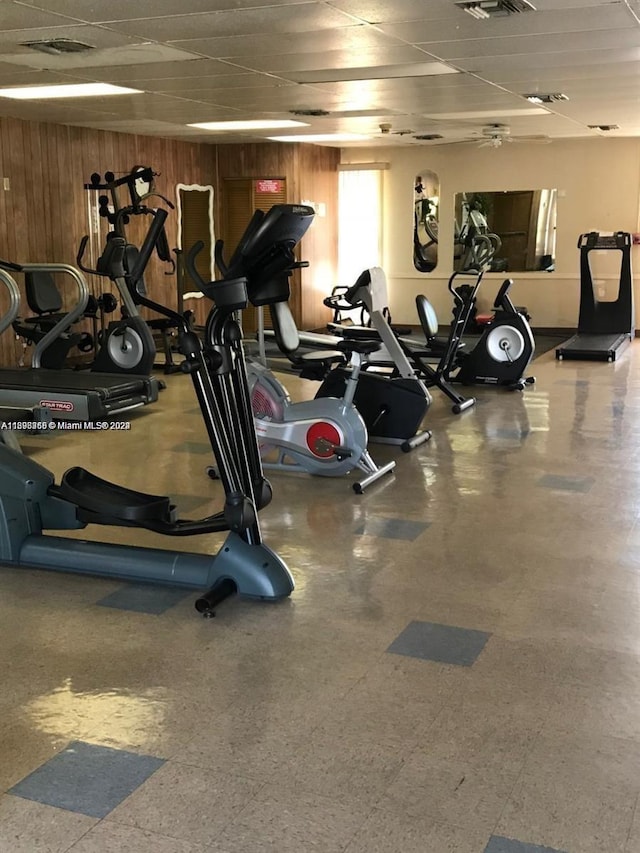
<point x="505" y="343"/>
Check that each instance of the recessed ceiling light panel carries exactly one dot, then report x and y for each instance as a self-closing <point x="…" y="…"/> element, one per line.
<point x="71" y="90"/>
<point x="250" y="124"/>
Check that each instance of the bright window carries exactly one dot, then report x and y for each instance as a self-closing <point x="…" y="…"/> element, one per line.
<point x="359" y="230"/>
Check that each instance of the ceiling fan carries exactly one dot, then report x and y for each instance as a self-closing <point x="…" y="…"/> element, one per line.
<point x="494" y="135"/>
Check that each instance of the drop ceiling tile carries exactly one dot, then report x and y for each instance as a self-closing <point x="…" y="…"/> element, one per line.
<point x="155" y="71"/>
<point x="537" y="44"/>
<point x="414" y="87"/>
<point x="603" y="72"/>
<point x="49" y="111"/>
<point x="14" y="75"/>
<point x="463" y="27"/>
<point x="280" y="99"/>
<point x="11" y="41"/>
<point x="550" y="5"/>
<point x="243" y="48"/>
<point x="96" y="11"/>
<point x="496" y="66"/>
<point x="123" y="55"/>
<point x="296" y="18"/>
<point x="202" y="87"/>
<point x="383" y="11"/>
<point x="346" y="57"/>
<point x="144" y="126"/>
<point x="14" y="16"/>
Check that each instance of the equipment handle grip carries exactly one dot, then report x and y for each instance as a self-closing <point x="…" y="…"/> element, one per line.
<point x="9" y="265"/>
<point x="80" y="256"/>
<point x="153" y="234"/>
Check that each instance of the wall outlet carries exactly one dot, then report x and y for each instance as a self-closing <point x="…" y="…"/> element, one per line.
<point x="6" y="184"/>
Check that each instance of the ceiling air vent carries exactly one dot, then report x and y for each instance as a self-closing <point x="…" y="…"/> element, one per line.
<point x="315" y="113"/>
<point x="547" y="98"/>
<point x="482" y="9"/>
<point x="428" y="137"/>
<point x="58" y="47"/>
<point x="604" y="127"/>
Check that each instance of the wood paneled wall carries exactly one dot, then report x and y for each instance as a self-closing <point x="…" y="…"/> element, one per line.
<point x="43" y="215"/>
<point x="318" y="177"/>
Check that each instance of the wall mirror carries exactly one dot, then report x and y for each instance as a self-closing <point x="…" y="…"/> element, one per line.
<point x="426" y="197"/>
<point x="509" y="231"/>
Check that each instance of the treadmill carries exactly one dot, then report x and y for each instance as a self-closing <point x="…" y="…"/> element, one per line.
<point x="69" y="395"/>
<point x="604" y="328"/>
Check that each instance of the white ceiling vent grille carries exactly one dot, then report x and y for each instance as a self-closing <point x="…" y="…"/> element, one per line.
<point x="482" y="9"/>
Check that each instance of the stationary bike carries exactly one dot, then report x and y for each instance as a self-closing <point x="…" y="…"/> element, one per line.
<point x="325" y="437"/>
<point x="504" y="350"/>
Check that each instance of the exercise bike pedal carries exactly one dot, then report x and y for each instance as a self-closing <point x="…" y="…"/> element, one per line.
<point x="342" y="453"/>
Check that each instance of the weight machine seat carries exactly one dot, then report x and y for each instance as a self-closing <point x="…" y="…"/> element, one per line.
<point x="43" y="298"/>
<point x="95" y="495"/>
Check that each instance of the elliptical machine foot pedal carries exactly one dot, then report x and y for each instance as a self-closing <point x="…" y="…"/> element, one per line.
<point x="100" y="497"/>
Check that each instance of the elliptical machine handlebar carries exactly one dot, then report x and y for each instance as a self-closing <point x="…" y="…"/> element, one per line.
<point x="457" y="298"/>
<point x="229" y="294"/>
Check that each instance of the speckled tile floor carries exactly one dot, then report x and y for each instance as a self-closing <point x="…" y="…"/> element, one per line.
<point x="457" y="671"/>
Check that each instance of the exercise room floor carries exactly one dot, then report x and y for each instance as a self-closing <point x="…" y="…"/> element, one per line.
<point x="457" y="671"/>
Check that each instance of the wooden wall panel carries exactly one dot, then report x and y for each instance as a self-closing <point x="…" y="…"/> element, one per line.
<point x="318" y="168"/>
<point x="44" y="214"/>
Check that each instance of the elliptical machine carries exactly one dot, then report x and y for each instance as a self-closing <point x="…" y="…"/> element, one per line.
<point x="127" y="344"/>
<point x="30" y="500"/>
<point x="325" y="437"/>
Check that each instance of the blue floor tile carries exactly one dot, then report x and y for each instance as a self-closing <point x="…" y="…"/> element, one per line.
<point x="392" y="528"/>
<point x="508" y="845"/>
<point x="566" y="484"/>
<point x="443" y="643"/>
<point x="87" y="779"/>
<point x="144" y="598"/>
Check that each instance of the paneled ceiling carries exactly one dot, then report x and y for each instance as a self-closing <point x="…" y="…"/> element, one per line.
<point x="366" y="63"/>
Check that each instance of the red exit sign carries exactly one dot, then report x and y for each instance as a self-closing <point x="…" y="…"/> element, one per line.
<point x="269" y="186"/>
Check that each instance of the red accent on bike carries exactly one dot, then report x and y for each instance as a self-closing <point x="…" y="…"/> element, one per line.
<point x="322" y="438"/>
